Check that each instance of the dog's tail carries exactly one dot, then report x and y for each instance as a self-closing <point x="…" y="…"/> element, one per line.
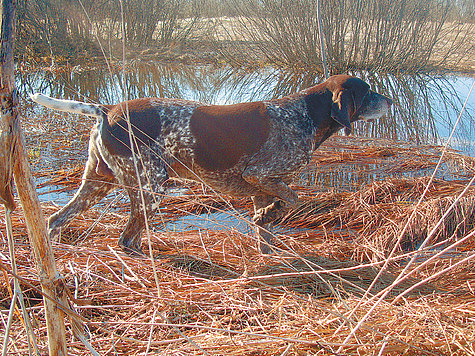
<point x="72" y="106"/>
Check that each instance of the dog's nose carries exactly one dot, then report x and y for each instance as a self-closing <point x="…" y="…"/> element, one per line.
<point x="389" y="101"/>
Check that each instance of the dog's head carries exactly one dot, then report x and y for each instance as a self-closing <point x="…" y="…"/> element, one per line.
<point x="353" y="100"/>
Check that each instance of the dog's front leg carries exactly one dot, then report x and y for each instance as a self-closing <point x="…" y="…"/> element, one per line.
<point x="274" y="187"/>
<point x="267" y="209"/>
<point x="263" y="229"/>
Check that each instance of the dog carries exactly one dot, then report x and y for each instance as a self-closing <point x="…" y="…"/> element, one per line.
<point x="250" y="149"/>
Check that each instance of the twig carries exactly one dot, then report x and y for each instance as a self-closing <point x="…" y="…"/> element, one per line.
<point x="136" y="278"/>
<point x="17" y="294"/>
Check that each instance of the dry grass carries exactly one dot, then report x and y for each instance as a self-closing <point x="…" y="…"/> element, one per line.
<point x="218" y="295"/>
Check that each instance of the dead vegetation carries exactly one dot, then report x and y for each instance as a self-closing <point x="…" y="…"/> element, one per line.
<point x="383" y="36"/>
<point x="354" y="274"/>
<point x="213" y="293"/>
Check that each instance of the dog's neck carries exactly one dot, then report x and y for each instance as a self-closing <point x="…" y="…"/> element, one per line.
<point x="319" y="111"/>
<point x="311" y="112"/>
<point x="312" y="109"/>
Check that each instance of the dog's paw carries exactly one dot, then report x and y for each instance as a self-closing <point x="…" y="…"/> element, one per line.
<point x="270" y="213"/>
<point x="132" y="249"/>
<point x="54" y="234"/>
<point x="266" y="247"/>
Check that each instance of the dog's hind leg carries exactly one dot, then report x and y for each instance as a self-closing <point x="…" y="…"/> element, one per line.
<point x="142" y="207"/>
<point x="97" y="182"/>
<point x="143" y="202"/>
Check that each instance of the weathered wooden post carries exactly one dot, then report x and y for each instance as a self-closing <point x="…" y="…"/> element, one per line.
<point x="14" y="163"/>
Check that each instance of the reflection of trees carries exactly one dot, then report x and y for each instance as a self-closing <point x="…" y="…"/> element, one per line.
<point x="425" y="106"/>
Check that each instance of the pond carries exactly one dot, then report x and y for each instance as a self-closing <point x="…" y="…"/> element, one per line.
<point x="426" y="106"/>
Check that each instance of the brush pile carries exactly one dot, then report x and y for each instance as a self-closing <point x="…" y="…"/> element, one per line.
<point x="382" y="263"/>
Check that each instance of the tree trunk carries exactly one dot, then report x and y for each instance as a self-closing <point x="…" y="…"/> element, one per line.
<point x="322" y="41"/>
<point x="13" y="144"/>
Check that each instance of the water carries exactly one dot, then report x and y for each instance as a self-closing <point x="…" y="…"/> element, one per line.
<point x="211" y="221"/>
<point x="424" y="112"/>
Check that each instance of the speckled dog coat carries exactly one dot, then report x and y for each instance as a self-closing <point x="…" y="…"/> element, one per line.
<point x="247" y="149"/>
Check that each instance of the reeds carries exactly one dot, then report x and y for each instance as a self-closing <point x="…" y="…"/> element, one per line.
<point x="218" y="295"/>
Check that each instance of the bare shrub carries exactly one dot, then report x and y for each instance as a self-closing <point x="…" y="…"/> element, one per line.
<point x="70" y="27"/>
<point x="388" y="35"/>
<point x="151" y="21"/>
<point x="44" y="25"/>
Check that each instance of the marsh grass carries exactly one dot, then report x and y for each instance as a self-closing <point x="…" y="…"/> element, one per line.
<point x="217" y="294"/>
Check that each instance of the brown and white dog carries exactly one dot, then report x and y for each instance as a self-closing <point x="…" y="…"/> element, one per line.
<point x="248" y="149"/>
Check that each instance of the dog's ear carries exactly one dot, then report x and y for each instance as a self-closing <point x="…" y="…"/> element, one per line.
<point x="341" y="108"/>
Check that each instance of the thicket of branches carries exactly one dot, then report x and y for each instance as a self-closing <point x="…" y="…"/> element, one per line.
<point x="365" y="34"/>
<point x="369" y="34"/>
<point x="72" y="28"/>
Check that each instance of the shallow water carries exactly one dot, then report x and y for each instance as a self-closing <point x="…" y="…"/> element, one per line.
<point x="426" y="106"/>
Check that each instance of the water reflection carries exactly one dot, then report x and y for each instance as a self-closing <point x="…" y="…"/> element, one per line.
<point x="425" y="109"/>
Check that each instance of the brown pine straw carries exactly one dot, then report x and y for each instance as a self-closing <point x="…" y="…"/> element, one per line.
<point x="219" y="295"/>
